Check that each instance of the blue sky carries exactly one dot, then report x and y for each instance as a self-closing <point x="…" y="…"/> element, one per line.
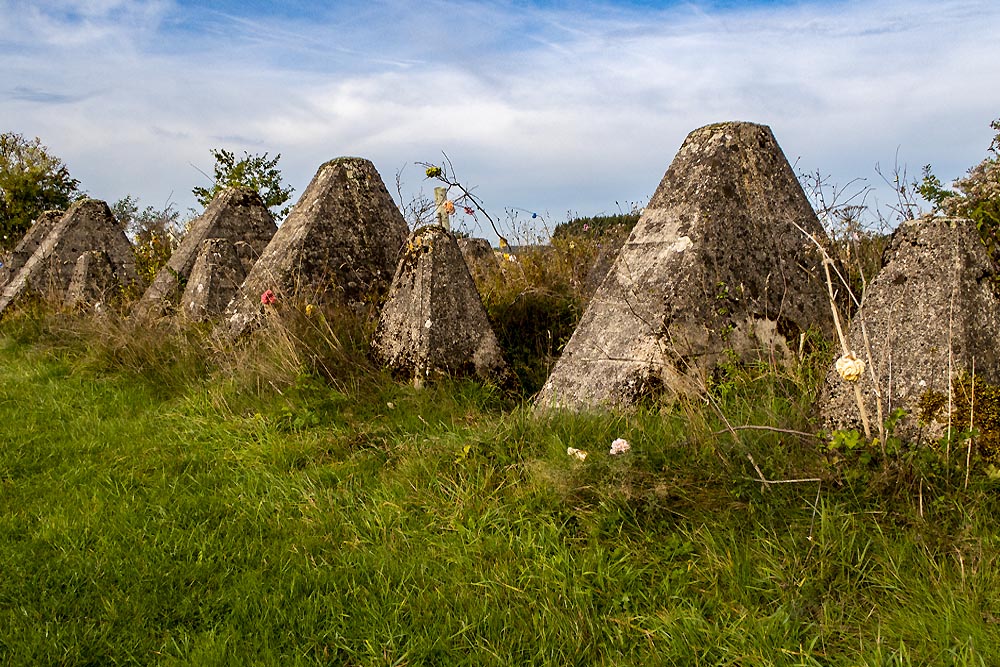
<point x="544" y="106"/>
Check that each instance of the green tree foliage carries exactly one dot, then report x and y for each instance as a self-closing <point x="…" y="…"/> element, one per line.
<point x="155" y="232"/>
<point x="32" y="180"/>
<point x="977" y="196"/>
<point x="597" y="225"/>
<point x="255" y="171"/>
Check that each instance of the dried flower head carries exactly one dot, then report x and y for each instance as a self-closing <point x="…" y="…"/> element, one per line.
<point x="850" y="367"/>
<point x="578" y="454"/>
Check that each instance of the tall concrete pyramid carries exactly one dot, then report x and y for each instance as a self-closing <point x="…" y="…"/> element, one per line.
<point x="715" y="266"/>
<point x="87" y="225"/>
<point x="339" y="244"/>
<point x="433" y="323"/>
<point x="236" y="215"/>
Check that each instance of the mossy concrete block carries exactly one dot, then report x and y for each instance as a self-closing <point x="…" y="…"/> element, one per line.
<point x="433" y="323"/>
<point x="28" y="244"/>
<point x="931" y="316"/>
<point x="716" y="266"/>
<point x="236" y="214"/>
<point x="87" y="225"/>
<point x="338" y="245"/>
<point x="215" y="278"/>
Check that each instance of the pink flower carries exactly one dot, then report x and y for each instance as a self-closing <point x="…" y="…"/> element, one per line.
<point x="586" y="227"/>
<point x="619" y="446"/>
<point x="268" y="298"/>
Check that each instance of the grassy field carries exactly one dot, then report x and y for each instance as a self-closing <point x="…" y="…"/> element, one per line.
<point x="164" y="500"/>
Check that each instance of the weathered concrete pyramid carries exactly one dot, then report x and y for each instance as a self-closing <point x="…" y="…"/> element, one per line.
<point x="433" y="323"/>
<point x="237" y="215"/>
<point x="931" y="315"/>
<point x="214" y="280"/>
<point x="715" y="265"/>
<point x="479" y="257"/>
<point x="87" y="225"/>
<point x="28" y="244"/>
<point x="340" y="243"/>
<point x="93" y="280"/>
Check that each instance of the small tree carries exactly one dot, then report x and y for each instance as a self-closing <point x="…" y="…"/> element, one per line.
<point x="254" y="171"/>
<point x="977" y="196"/>
<point x="32" y="180"/>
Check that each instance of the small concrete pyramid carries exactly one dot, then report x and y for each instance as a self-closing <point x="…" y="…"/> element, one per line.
<point x="479" y="257"/>
<point x="214" y="280"/>
<point x="931" y="314"/>
<point x="87" y="225"/>
<point x="237" y="215"/>
<point x="714" y="266"/>
<point x="433" y="323"/>
<point x="339" y="244"/>
<point x="93" y="280"/>
<point x="28" y="244"/>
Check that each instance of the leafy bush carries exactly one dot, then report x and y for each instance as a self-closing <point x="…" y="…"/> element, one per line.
<point x="32" y="180"/>
<point x="253" y="171"/>
<point x="977" y="196"/>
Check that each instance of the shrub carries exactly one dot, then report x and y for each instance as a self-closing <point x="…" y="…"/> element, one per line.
<point x="977" y="196"/>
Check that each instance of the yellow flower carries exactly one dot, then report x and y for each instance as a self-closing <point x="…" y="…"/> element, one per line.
<point x="850" y="367"/>
<point x="310" y="310"/>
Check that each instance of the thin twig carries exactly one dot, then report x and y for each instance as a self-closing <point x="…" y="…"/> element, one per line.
<point x="843" y="342"/>
<point x="972" y="411"/>
<point x="812" y="522"/>
<point x="755" y="427"/>
<point x="951" y="356"/>
<point x="452" y="182"/>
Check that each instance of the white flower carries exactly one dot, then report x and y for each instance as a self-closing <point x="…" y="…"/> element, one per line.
<point x="620" y="446"/>
<point x="578" y="453"/>
<point x="850" y="367"/>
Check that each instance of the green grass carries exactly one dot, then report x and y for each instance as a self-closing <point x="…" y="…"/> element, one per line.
<point x="158" y="507"/>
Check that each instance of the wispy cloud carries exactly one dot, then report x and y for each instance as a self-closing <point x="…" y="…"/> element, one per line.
<point x="548" y="109"/>
<point x="27" y="94"/>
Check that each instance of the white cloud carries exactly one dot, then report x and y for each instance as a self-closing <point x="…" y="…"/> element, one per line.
<point x="543" y="109"/>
